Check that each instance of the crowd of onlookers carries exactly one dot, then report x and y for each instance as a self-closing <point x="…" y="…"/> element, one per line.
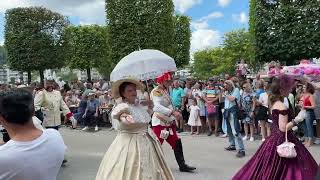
<point x="210" y="99"/>
<point x="202" y="104"/>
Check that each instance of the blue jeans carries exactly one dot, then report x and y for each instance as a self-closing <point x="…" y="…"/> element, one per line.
<point x="308" y="124"/>
<point x="233" y="126"/>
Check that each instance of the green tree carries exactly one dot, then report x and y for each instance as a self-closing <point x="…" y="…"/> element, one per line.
<point x="182" y="40"/>
<point x="238" y="44"/>
<point x="210" y="62"/>
<point x="34" y="38"/>
<point x="87" y="47"/>
<point x="3" y="55"/>
<point x="286" y="30"/>
<point x="139" y="24"/>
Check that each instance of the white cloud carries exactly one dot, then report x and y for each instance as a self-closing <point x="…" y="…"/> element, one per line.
<point x="202" y="23"/>
<point x="212" y="15"/>
<point x="224" y="3"/>
<point x="205" y="38"/>
<point x="184" y="5"/>
<point x="88" y="11"/>
<point x="199" y="25"/>
<point x="241" y="18"/>
<point x="1" y="42"/>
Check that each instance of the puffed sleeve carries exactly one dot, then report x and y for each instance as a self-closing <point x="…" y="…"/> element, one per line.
<point x="65" y="109"/>
<point x="38" y="100"/>
<point x="120" y="109"/>
<point x="157" y="107"/>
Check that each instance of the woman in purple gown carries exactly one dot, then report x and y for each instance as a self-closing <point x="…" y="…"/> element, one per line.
<point x="266" y="164"/>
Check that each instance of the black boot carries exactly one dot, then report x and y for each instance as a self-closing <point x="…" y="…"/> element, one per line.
<point x="178" y="153"/>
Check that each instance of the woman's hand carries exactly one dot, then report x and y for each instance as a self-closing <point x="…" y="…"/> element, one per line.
<point x="126" y="118"/>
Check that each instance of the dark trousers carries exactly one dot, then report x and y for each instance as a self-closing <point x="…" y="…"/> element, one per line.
<point x="53" y="127"/>
<point x="90" y="119"/>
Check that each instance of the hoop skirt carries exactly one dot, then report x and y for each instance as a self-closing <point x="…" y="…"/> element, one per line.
<point x="135" y="154"/>
<point x="266" y="164"/>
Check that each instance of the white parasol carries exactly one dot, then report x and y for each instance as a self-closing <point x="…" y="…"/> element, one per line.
<point x="143" y="65"/>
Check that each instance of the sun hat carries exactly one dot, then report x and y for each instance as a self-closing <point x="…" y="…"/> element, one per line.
<point x="116" y="85"/>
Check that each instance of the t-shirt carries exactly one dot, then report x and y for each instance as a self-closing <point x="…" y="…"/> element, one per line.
<point x="259" y="92"/>
<point x="211" y="92"/>
<point x="177" y="95"/>
<point x="188" y="93"/>
<point x="235" y="93"/>
<point x="264" y="99"/>
<point x="92" y="105"/>
<point x="33" y="160"/>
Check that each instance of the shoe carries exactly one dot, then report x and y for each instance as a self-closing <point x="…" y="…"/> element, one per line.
<point x="209" y="133"/>
<point x="251" y="139"/>
<point x="241" y="154"/>
<point x="186" y="168"/>
<point x="64" y="162"/>
<point x="216" y="134"/>
<point x="317" y="141"/>
<point x="224" y="136"/>
<point x="230" y="148"/>
<point x="245" y="138"/>
<point x="263" y="139"/>
<point x="85" y="128"/>
<point x="96" y="128"/>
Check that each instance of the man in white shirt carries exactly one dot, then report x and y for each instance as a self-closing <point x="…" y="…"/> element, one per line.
<point x="31" y="153"/>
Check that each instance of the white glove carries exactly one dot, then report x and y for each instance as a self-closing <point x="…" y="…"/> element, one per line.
<point x="73" y="120"/>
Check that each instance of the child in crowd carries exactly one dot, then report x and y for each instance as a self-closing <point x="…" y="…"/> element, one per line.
<point x="194" y="118"/>
<point x="91" y="113"/>
<point x="247" y="104"/>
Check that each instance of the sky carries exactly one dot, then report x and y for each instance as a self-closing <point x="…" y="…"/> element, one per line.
<point x="210" y="19"/>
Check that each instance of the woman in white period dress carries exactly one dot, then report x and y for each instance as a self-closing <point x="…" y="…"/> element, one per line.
<point x="135" y="154"/>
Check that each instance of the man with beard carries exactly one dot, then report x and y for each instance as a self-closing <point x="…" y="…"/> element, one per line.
<point x="163" y="118"/>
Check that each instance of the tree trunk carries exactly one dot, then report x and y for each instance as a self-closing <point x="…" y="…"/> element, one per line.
<point x="41" y="77"/>
<point x="89" y="74"/>
<point x="29" y="77"/>
<point x="21" y="77"/>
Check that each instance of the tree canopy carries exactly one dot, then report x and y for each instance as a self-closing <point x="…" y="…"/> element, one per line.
<point x="182" y="40"/>
<point x="34" y="38"/>
<point x="87" y="47"/>
<point x="285" y="30"/>
<point x="237" y="45"/>
<point x="3" y="55"/>
<point x="139" y="24"/>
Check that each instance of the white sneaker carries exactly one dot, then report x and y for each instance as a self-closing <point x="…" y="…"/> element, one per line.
<point x="245" y="138"/>
<point x="224" y="135"/>
<point x="96" y="128"/>
<point x="263" y="139"/>
<point x="317" y="141"/>
<point x="251" y="139"/>
<point x="85" y="128"/>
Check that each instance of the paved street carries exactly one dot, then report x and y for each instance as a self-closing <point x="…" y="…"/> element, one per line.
<point x="85" y="151"/>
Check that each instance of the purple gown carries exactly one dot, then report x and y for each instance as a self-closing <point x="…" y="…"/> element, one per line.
<point x="266" y="164"/>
